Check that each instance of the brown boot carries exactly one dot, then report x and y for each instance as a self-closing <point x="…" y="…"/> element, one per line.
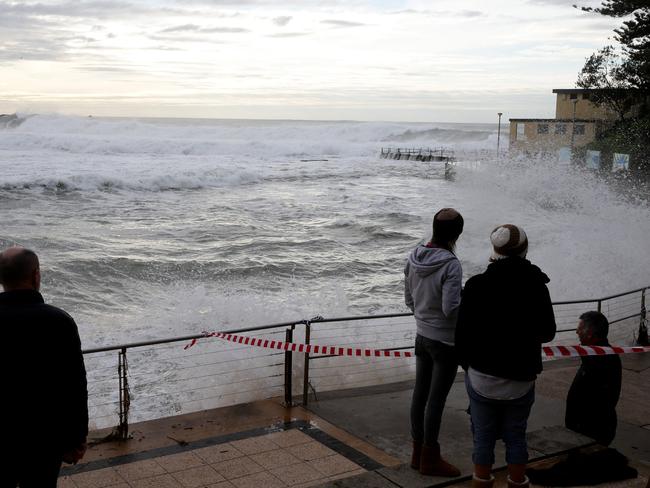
<point x="481" y="483"/>
<point x="523" y="484"/>
<point x="417" y="452"/>
<point x="432" y="464"/>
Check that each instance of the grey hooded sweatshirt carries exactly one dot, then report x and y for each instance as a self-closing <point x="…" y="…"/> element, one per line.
<point x="432" y="286"/>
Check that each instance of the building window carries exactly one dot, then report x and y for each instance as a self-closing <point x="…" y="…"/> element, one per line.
<point x="560" y="128"/>
<point x="585" y="96"/>
<point x="542" y="128"/>
<point x="579" y="130"/>
<point x="573" y="96"/>
<point x="521" y="132"/>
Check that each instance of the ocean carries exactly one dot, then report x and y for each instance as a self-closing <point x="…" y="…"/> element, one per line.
<point x="153" y="228"/>
<point x="158" y="228"/>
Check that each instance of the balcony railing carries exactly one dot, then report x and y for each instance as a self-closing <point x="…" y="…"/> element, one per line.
<point x="159" y="378"/>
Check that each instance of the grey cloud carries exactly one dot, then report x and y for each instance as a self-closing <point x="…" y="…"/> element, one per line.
<point x="441" y="13"/>
<point x="471" y="13"/>
<point x="31" y="49"/>
<point x="106" y="69"/>
<point x="289" y="34"/>
<point x="566" y="3"/>
<point x="182" y="28"/>
<point x="282" y="21"/>
<point x="85" y="39"/>
<point x="226" y="30"/>
<point x="185" y="39"/>
<point x="205" y="30"/>
<point x="98" y="10"/>
<point x="342" y="23"/>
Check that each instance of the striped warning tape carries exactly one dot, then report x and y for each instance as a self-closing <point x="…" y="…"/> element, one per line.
<point x="548" y="351"/>
<point x="308" y="348"/>
<point x="573" y="351"/>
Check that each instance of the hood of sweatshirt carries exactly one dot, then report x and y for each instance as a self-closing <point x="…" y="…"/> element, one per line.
<point x="426" y="260"/>
<point x="516" y="267"/>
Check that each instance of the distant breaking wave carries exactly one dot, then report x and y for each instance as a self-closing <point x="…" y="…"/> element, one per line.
<point x="197" y="137"/>
<point x="10" y="121"/>
<point x="442" y="135"/>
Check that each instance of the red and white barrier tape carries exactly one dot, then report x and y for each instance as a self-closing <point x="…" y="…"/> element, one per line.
<point x="548" y="351"/>
<point x="573" y="351"/>
<point x="308" y="348"/>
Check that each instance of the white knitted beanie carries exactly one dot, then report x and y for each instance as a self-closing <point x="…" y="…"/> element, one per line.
<point x="508" y="240"/>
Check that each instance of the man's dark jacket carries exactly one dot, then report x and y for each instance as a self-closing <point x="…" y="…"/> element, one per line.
<point x="505" y="315"/>
<point x="591" y="402"/>
<point x="45" y="403"/>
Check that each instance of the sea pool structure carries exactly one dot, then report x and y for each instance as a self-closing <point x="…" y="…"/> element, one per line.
<point x="249" y="416"/>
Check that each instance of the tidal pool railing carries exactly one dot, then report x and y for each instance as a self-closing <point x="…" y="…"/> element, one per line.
<point x="159" y="378"/>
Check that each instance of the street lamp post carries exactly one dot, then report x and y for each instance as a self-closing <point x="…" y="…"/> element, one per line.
<point x="499" y="132"/>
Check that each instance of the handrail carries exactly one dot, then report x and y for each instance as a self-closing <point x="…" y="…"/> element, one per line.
<point x="186" y="338"/>
<point x="318" y="320"/>
<point x="124" y="390"/>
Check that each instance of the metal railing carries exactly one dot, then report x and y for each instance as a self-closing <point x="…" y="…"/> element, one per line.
<point x="418" y="154"/>
<point x="161" y="379"/>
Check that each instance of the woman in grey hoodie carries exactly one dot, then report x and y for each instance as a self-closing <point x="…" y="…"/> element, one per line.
<point x="432" y="287"/>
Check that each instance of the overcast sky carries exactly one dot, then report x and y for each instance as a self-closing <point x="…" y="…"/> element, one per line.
<point x="401" y="60"/>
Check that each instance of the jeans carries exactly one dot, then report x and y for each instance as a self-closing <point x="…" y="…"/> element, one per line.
<point x="494" y="419"/>
<point x="436" y="365"/>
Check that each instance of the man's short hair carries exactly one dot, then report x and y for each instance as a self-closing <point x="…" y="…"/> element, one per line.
<point x="597" y="323"/>
<point x="17" y="269"/>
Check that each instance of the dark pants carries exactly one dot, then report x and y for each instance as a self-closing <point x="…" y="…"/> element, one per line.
<point x="30" y="469"/>
<point x="436" y="365"/>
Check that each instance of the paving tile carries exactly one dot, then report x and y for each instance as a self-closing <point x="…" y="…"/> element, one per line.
<point x="66" y="482"/>
<point x="218" y="453"/>
<point x="264" y="479"/>
<point x="180" y="462"/>
<point x="289" y="437"/>
<point x="199" y="476"/>
<point x="97" y="478"/>
<point x="347" y="474"/>
<point x="221" y="484"/>
<point x="333" y="465"/>
<point x="370" y="479"/>
<point x="164" y="481"/>
<point x="139" y="469"/>
<point x="254" y="445"/>
<point x="309" y="484"/>
<point x="297" y="473"/>
<point x="238" y="467"/>
<point x="274" y="459"/>
<point x="311" y="450"/>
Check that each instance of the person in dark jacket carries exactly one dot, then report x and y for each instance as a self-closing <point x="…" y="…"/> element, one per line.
<point x="505" y="315"/>
<point x="591" y="402"/>
<point x="432" y="286"/>
<point x="45" y="409"/>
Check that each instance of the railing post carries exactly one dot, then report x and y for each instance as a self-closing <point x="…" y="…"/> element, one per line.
<point x="288" y="369"/>
<point x="305" y="381"/>
<point x="642" y="338"/>
<point x="125" y="397"/>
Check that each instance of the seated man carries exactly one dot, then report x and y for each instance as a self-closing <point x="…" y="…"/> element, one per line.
<point x="591" y="402"/>
<point x="591" y="411"/>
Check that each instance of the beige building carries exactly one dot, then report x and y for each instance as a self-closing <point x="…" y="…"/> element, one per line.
<point x="577" y="122"/>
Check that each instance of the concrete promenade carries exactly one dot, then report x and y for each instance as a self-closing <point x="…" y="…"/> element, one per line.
<point x="352" y="438"/>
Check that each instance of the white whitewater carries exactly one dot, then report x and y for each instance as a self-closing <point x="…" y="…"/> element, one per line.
<point x="158" y="228"/>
